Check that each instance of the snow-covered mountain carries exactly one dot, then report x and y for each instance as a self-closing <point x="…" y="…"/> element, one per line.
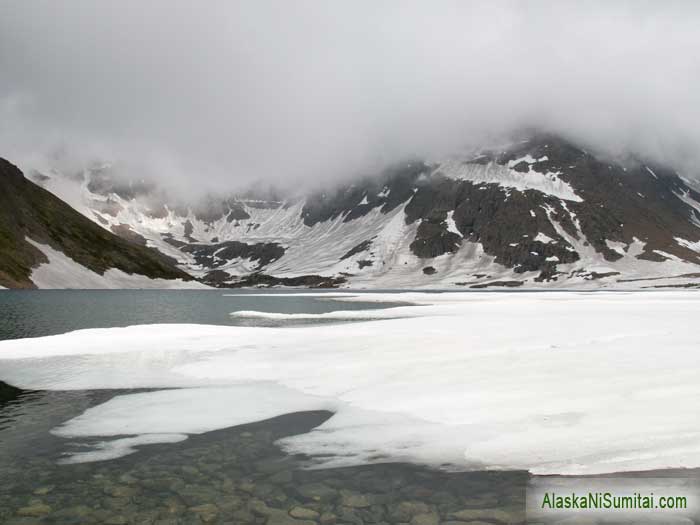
<point x="538" y="213"/>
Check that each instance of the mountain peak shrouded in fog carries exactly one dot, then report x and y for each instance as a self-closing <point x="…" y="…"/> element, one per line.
<point x="210" y="97"/>
<point x="539" y="211"/>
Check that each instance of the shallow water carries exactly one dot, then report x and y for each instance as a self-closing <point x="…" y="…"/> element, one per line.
<point x="235" y="475"/>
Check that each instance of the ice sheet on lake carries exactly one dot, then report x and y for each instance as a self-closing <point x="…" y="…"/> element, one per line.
<point x="117" y="448"/>
<point x="554" y="382"/>
<point x="338" y="315"/>
<point x="160" y="414"/>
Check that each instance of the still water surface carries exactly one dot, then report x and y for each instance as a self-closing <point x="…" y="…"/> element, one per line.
<point x="34" y="313"/>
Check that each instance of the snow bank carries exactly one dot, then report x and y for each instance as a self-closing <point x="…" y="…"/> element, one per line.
<point x="554" y="382"/>
<point x="63" y="272"/>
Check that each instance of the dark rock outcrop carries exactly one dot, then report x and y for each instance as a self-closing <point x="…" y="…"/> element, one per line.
<point x="621" y="200"/>
<point x="505" y="222"/>
<point x="309" y="281"/>
<point x="433" y="239"/>
<point x="216" y="255"/>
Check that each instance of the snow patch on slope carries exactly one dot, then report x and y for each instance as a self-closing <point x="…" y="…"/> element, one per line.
<point x="451" y="225"/>
<point x="695" y="246"/>
<point x="634" y="273"/>
<point x="63" y="272"/>
<point x="685" y="197"/>
<point x="541" y="237"/>
<point x="492" y="172"/>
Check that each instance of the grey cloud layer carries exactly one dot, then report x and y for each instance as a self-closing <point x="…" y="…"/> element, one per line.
<point x="219" y="93"/>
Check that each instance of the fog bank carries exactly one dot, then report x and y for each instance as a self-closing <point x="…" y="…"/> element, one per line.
<point x="216" y="95"/>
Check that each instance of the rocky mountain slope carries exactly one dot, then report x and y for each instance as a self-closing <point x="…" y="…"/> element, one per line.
<point x="44" y="242"/>
<point x="541" y="212"/>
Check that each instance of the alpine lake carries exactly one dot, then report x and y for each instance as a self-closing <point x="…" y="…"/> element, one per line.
<point x="236" y="475"/>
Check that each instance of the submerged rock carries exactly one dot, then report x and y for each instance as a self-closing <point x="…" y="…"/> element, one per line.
<point x="34" y="510"/>
<point x="207" y="512"/>
<point x="404" y="511"/>
<point x="317" y="492"/>
<point x="43" y="491"/>
<point x="425" y="519"/>
<point x="354" y="499"/>
<point x="303" y="513"/>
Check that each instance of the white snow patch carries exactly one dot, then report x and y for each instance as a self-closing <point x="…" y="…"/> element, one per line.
<point x="548" y="183"/>
<point x="528" y="159"/>
<point x="451" y="225"/>
<point x="619" y="247"/>
<point x="695" y="246"/>
<point x="552" y="258"/>
<point x="529" y="385"/>
<point x="363" y="201"/>
<point x="651" y="172"/>
<point x="384" y="193"/>
<point x="63" y="272"/>
<point x="541" y="237"/>
<point x="685" y="197"/>
<point x="667" y="255"/>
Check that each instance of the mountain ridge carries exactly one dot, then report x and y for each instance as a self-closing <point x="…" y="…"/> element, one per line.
<point x="540" y="212"/>
<point x="31" y="216"/>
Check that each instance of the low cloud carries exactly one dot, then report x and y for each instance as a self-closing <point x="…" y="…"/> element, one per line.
<point x="216" y="95"/>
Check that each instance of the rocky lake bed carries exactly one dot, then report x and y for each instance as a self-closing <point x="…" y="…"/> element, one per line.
<point x="239" y="476"/>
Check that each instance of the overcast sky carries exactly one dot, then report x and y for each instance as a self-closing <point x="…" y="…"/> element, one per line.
<point x="215" y="93"/>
